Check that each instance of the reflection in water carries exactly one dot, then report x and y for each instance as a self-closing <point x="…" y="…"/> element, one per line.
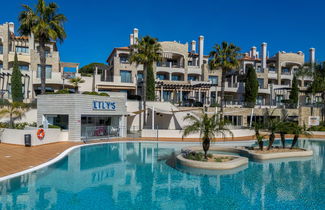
<point x="135" y="175"/>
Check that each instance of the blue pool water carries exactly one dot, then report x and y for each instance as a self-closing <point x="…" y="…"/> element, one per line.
<point x="136" y="176"/>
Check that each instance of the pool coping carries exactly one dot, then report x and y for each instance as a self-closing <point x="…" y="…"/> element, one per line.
<point x="67" y="151"/>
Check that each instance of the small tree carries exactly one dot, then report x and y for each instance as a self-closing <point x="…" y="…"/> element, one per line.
<point x="297" y="131"/>
<point x="14" y="110"/>
<point x="272" y="125"/>
<point x="16" y="84"/>
<point x="207" y="127"/>
<point x="259" y="137"/>
<point x="294" y="94"/>
<point x="75" y="83"/>
<point x="251" y="87"/>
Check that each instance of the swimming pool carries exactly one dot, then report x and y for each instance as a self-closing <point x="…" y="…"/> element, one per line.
<point x="136" y="176"/>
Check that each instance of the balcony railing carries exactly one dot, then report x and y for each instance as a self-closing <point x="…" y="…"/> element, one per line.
<point x="169" y="64"/>
<point x="285" y="73"/>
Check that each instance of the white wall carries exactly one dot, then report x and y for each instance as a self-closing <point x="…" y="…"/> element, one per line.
<point x="30" y="116"/>
<point x="179" y="133"/>
<point x="14" y="136"/>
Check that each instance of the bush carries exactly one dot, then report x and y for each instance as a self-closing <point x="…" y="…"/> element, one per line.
<point x="51" y="126"/>
<point x="63" y="91"/>
<point x="21" y="126"/>
<point x="95" y="93"/>
<point x="198" y="156"/>
<point x="317" y="128"/>
<point x="4" y="125"/>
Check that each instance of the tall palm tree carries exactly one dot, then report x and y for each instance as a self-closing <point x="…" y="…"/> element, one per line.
<point x="13" y="110"/>
<point x="46" y="25"/>
<point x="224" y="56"/>
<point x="304" y="71"/>
<point x="207" y="127"/>
<point x="146" y="51"/>
<point x="318" y="84"/>
<point x="75" y="83"/>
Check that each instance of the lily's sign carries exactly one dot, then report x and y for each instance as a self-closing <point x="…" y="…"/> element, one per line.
<point x="104" y="105"/>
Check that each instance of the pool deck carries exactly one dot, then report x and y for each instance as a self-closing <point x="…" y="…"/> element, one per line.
<point x="16" y="158"/>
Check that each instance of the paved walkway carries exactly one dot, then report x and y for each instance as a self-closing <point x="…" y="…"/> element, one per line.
<point x="15" y="158"/>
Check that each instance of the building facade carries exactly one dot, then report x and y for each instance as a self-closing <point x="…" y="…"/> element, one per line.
<point x="27" y="49"/>
<point x="184" y="76"/>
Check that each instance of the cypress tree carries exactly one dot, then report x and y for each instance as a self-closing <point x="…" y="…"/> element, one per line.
<point x="251" y="87"/>
<point x="294" y="94"/>
<point x="16" y="84"/>
<point x="150" y="84"/>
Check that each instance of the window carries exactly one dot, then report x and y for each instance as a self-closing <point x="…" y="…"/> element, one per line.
<point x="1" y="49"/>
<point x="23" y="67"/>
<point x="259" y="69"/>
<point x="213" y="79"/>
<point x="191" y="78"/>
<point x="272" y="68"/>
<point x="176" y="77"/>
<point x="140" y="76"/>
<point x="234" y="120"/>
<point x="48" y="71"/>
<point x="161" y="77"/>
<point x="125" y="76"/>
<point x="20" y="49"/>
<point x="124" y="59"/>
<point x="260" y="82"/>
<point x="1" y="66"/>
<point x="260" y="100"/>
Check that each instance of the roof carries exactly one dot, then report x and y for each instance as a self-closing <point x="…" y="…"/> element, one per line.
<point x="114" y="50"/>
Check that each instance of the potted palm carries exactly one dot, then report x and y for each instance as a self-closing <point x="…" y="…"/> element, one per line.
<point x="207" y="127"/>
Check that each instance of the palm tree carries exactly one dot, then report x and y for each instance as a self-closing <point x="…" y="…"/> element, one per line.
<point x="75" y="83"/>
<point x="297" y="130"/>
<point x="283" y="127"/>
<point x="14" y="110"/>
<point x="146" y="51"/>
<point x="207" y="127"/>
<point x="224" y="56"/>
<point x="259" y="138"/>
<point x="46" y="25"/>
<point x="272" y="124"/>
<point x="318" y="84"/>
<point x="304" y="71"/>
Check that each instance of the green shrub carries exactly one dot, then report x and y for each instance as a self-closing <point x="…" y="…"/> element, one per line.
<point x="317" y="128"/>
<point x="63" y="91"/>
<point x="21" y="125"/>
<point x="33" y="124"/>
<point x="4" y="125"/>
<point x="51" y="126"/>
<point x="95" y="93"/>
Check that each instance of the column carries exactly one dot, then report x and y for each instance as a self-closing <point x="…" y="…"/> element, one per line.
<point x="162" y="93"/>
<point x="232" y="80"/>
<point x="199" y="94"/>
<point x="181" y="95"/>
<point x="153" y="118"/>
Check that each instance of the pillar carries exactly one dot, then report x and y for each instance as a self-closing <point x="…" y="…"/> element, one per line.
<point x="181" y="94"/>
<point x="153" y="118"/>
<point x="161" y="93"/>
<point x="199" y="94"/>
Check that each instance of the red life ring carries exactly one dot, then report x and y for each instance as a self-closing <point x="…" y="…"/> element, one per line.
<point x="40" y="133"/>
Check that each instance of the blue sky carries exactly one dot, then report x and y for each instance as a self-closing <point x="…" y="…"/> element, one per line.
<point x="95" y="27"/>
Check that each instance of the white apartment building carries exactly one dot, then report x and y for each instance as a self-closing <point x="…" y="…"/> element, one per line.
<point x="29" y="63"/>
